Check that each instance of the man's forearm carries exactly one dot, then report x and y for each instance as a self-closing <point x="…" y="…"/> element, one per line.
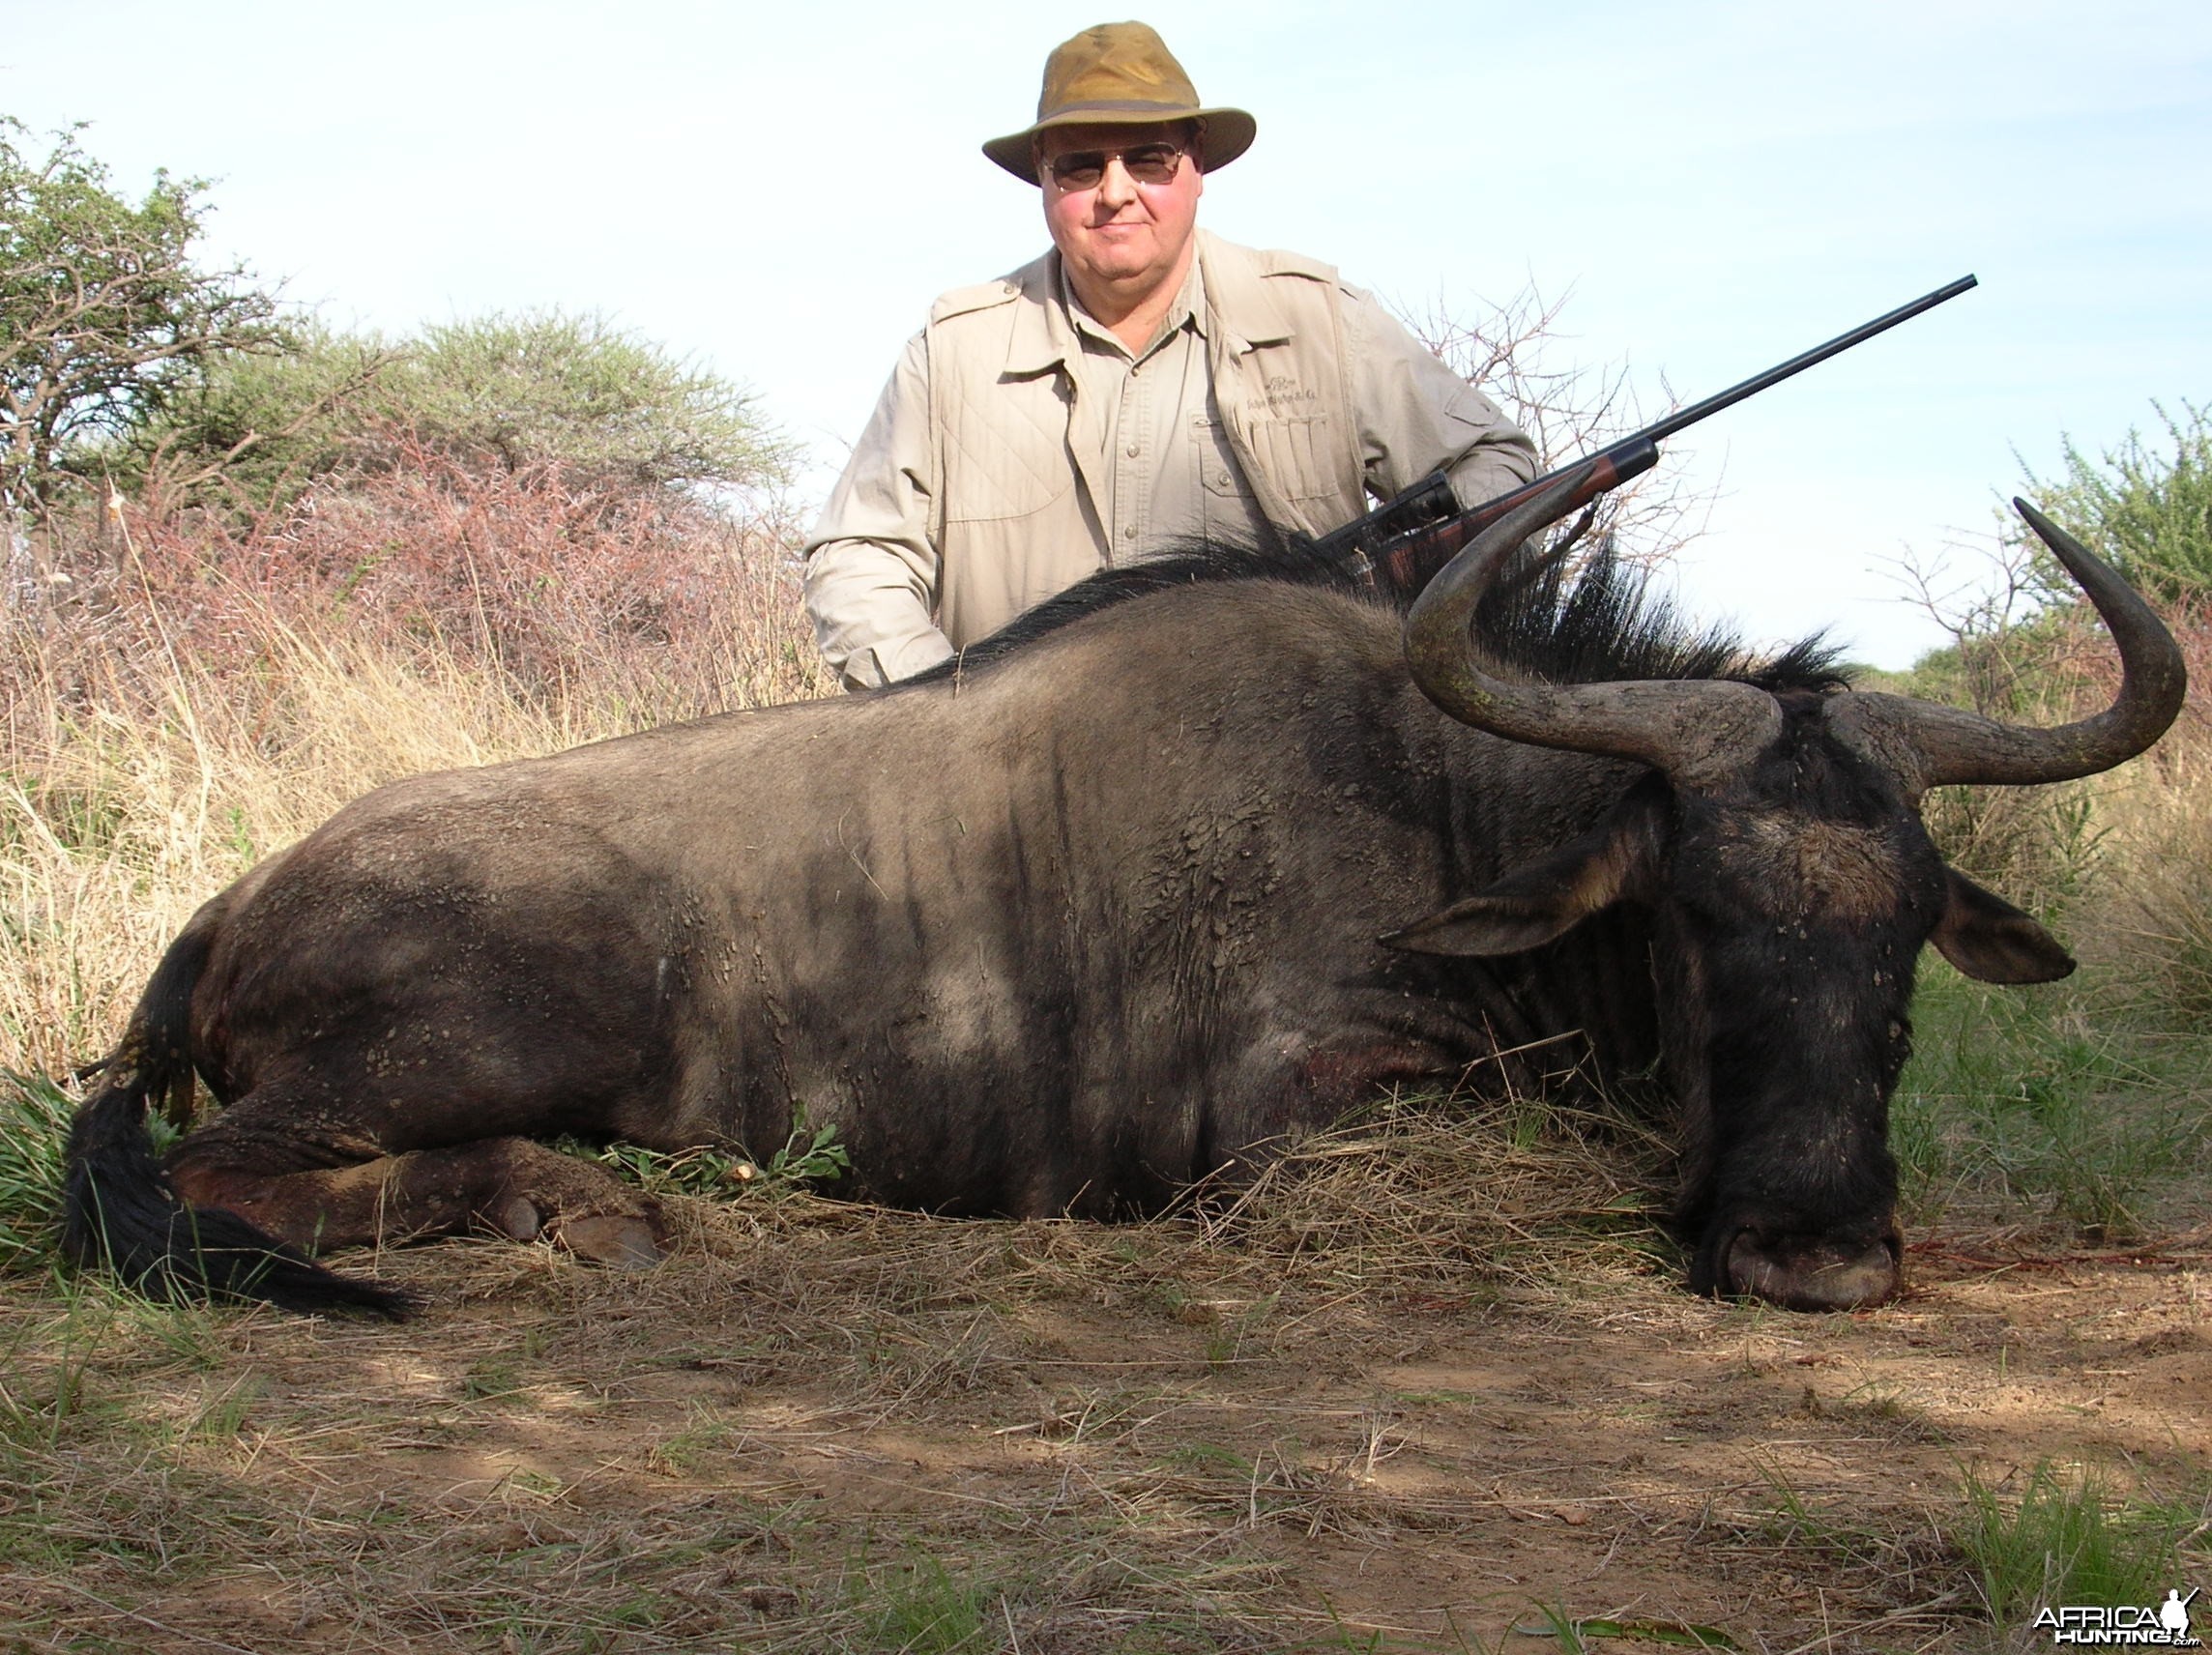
<point x="870" y="615"/>
<point x="1500" y="462"/>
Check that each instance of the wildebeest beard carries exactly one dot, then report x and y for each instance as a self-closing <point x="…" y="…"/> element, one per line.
<point x="1199" y="857"/>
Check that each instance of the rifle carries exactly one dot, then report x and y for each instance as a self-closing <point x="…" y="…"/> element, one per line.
<point x="1408" y="538"/>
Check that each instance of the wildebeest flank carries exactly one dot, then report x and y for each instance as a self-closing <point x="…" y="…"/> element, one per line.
<point x="1197" y="859"/>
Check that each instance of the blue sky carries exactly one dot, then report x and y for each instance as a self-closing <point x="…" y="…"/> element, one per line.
<point x="778" y="190"/>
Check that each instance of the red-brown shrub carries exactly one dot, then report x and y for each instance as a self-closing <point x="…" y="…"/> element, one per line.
<point x="651" y="599"/>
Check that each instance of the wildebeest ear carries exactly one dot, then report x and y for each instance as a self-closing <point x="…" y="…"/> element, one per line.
<point x="1993" y="942"/>
<point x="1548" y="897"/>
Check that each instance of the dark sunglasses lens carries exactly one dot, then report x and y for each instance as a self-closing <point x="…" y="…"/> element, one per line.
<point x="1148" y="164"/>
<point x="1080" y="170"/>
<point x="1154" y="163"/>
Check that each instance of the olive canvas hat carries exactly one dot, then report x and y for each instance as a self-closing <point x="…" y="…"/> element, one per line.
<point x="1119" y="74"/>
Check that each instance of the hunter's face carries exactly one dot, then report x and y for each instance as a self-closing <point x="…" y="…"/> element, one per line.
<point x="1119" y="234"/>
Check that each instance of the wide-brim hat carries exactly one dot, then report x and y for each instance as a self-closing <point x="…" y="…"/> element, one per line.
<point x="1120" y="74"/>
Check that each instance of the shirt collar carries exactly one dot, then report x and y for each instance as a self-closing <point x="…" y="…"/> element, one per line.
<point x="1187" y="312"/>
<point x="1050" y="326"/>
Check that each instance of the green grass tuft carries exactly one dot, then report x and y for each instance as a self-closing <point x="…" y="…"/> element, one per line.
<point x="34" y="1128"/>
<point x="923" y="1608"/>
<point x="2066" y="1540"/>
<point x="35" y="1116"/>
<point x="2024" y="1097"/>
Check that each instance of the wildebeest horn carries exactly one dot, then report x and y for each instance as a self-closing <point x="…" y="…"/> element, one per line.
<point x="1691" y="730"/>
<point x="1947" y="744"/>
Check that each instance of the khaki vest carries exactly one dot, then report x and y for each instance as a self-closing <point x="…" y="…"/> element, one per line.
<point x="1013" y="518"/>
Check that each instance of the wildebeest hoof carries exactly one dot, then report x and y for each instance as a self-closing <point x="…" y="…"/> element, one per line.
<point x="517" y="1218"/>
<point x="622" y="1243"/>
<point x="1817" y="1275"/>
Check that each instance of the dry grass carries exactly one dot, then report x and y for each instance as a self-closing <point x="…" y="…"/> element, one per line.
<point x="2153" y="918"/>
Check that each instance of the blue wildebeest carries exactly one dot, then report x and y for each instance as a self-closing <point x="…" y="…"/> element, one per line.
<point x="1197" y="857"/>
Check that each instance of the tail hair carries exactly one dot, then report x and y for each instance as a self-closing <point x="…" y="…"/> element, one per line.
<point x="119" y="1210"/>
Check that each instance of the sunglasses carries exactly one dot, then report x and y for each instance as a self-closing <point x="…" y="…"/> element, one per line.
<point x="1146" y="163"/>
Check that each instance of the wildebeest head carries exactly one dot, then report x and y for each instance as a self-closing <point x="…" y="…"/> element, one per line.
<point x="1779" y="848"/>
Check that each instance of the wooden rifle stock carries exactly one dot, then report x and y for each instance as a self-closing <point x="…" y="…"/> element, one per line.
<point x="1403" y="542"/>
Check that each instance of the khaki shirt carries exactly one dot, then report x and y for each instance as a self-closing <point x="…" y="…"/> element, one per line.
<point x="1021" y="447"/>
<point x="1154" y="484"/>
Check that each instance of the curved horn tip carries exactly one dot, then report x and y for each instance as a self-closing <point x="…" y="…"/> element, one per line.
<point x="2038" y="522"/>
<point x="2078" y="560"/>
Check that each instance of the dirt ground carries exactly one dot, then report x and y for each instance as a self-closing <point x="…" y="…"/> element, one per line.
<point x="821" y="1427"/>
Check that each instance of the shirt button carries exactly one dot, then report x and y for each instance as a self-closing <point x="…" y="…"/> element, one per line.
<point x="1131" y="533"/>
<point x="1132" y="451"/>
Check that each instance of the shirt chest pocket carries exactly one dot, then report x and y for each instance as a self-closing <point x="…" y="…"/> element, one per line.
<point x="1228" y="508"/>
<point x="1295" y="452"/>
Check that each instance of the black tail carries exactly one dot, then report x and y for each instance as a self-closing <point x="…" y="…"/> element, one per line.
<point x="118" y="1209"/>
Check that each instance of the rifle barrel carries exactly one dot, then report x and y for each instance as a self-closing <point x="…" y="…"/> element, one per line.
<point x="1757" y="382"/>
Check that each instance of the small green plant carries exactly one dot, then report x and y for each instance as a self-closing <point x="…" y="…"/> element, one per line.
<point x="1207" y="1456"/>
<point x="682" y="1451"/>
<point x="494" y="1379"/>
<point x="702" y="1171"/>
<point x="2065" y="1540"/>
<point x="77" y="819"/>
<point x="36" y="1409"/>
<point x="811" y="1155"/>
<point x="1796" y="1522"/>
<point x="919" y="1608"/>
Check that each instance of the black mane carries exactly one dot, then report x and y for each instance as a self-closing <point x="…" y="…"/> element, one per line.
<point x="1597" y="623"/>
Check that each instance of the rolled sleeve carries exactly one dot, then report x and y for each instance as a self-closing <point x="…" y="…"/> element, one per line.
<point x="872" y="564"/>
<point x="1418" y="417"/>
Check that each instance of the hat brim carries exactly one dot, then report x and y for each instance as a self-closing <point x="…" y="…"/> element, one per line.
<point x="1228" y="132"/>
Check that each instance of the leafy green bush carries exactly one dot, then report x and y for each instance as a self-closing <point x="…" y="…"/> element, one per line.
<point x="104" y="320"/>
<point x="2144" y="510"/>
<point x="520" y="393"/>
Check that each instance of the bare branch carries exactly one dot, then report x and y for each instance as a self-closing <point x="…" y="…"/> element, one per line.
<point x="1513" y="353"/>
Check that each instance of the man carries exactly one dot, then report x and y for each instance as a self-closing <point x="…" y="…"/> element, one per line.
<point x="1141" y="382"/>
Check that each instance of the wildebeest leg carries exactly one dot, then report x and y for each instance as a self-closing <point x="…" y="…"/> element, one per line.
<point x="342" y="1190"/>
